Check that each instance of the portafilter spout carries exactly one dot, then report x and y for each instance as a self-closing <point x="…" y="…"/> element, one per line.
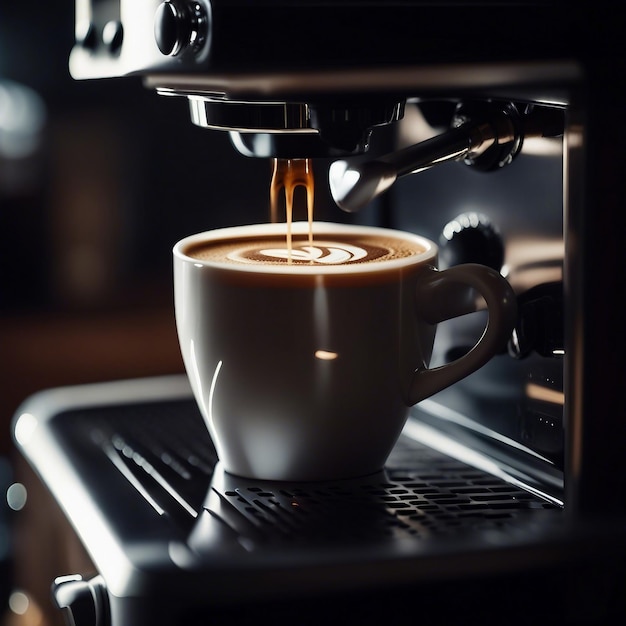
<point x="485" y="135"/>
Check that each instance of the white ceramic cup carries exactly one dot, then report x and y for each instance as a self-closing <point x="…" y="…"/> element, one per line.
<point x="306" y="371"/>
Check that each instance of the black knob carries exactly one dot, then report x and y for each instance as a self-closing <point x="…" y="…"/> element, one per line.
<point x="471" y="238"/>
<point x="540" y="325"/>
<point x="179" y="25"/>
<point x="84" y="601"/>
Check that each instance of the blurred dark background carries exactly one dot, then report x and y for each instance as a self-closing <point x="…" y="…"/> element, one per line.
<point x="106" y="168"/>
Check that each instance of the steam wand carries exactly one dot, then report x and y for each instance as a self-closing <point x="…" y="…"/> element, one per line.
<point x="485" y="135"/>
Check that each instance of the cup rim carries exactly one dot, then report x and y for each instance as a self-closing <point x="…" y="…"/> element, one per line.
<point x="299" y="228"/>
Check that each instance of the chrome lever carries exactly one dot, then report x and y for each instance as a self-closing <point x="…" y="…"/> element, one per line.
<point x="487" y="139"/>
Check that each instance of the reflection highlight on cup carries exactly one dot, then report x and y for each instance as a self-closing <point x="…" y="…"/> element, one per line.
<point x="216" y="373"/>
<point x="326" y="355"/>
<point x="195" y="373"/>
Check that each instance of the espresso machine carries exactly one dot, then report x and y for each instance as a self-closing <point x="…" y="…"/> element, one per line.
<point x="492" y="127"/>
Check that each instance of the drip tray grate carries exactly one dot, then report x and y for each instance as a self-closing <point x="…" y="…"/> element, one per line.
<point x="438" y="497"/>
<point x="167" y="455"/>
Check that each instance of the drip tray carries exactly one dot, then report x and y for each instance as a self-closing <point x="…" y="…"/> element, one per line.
<point x="134" y="470"/>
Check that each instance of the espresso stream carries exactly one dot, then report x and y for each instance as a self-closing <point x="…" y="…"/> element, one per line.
<point x="289" y="174"/>
<point x="329" y="249"/>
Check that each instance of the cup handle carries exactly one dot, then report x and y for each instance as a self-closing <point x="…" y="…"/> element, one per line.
<point x="440" y="296"/>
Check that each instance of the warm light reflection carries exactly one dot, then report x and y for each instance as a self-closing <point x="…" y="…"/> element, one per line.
<point x="543" y="146"/>
<point x="532" y="261"/>
<point x="326" y="355"/>
<point x="19" y="602"/>
<point x="545" y="394"/>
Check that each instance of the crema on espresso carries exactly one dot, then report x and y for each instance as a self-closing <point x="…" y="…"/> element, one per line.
<point x="326" y="249"/>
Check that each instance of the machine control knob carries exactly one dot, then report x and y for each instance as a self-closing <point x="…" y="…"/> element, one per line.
<point x="472" y="238"/>
<point x="83" y="600"/>
<point x="540" y="325"/>
<point x="179" y="25"/>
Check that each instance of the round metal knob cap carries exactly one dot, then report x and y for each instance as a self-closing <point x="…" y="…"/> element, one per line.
<point x="178" y="25"/>
<point x="167" y="27"/>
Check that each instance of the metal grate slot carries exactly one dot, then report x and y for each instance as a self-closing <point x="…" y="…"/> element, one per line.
<point x="389" y="505"/>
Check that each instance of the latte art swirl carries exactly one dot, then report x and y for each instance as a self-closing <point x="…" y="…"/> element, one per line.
<point x="322" y="253"/>
<point x="328" y="254"/>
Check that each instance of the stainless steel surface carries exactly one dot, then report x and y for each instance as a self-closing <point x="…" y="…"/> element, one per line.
<point x="344" y="56"/>
<point x="354" y="186"/>
<point x="290" y="129"/>
<point x="485" y="135"/>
